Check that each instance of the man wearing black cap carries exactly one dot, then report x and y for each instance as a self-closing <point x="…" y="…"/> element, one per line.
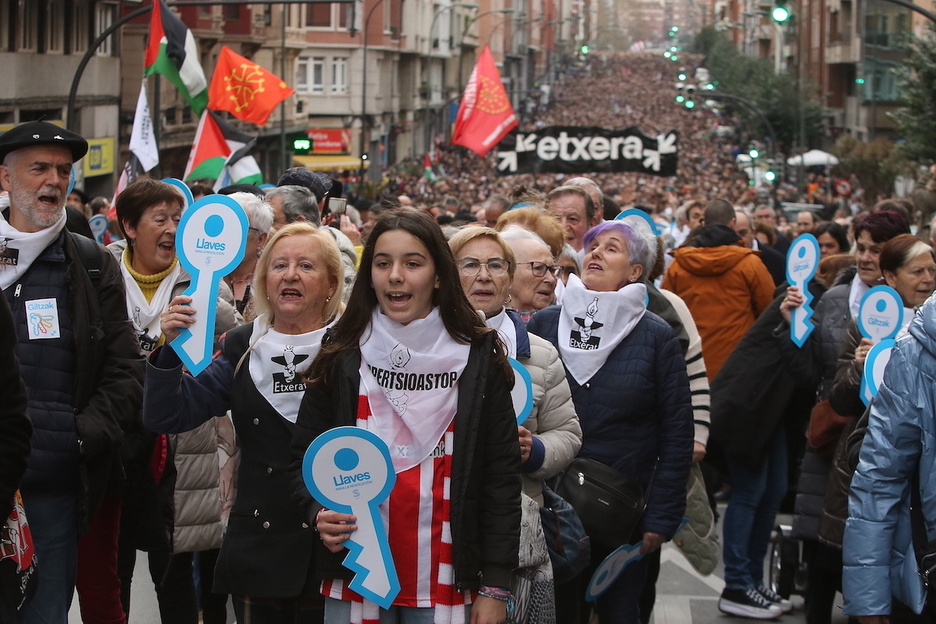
<point x="78" y="356"/>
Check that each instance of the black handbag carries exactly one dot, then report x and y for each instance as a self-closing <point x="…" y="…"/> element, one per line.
<point x="568" y="544"/>
<point x="609" y="503"/>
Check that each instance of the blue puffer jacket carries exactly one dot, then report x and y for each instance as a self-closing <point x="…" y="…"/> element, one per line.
<point x="901" y="438"/>
<point x="636" y="412"/>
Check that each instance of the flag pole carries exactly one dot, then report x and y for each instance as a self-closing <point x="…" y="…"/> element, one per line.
<point x="283" y="164"/>
<point x="155" y="121"/>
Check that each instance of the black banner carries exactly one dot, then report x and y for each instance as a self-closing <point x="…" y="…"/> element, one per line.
<point x="574" y="149"/>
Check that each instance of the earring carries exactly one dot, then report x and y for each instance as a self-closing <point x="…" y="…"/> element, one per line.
<point x="328" y="298"/>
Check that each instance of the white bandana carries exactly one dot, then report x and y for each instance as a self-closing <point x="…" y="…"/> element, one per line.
<point x="410" y="375"/>
<point x="592" y="324"/>
<point x="856" y="293"/>
<point x="145" y="314"/>
<point x="506" y="330"/>
<point x="277" y="362"/>
<point x="18" y="250"/>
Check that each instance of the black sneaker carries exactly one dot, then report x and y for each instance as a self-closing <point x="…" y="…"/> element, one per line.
<point x="774" y="598"/>
<point x="748" y="603"/>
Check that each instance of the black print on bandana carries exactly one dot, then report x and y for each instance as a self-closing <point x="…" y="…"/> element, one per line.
<point x="288" y="380"/>
<point x="8" y="255"/>
<point x="584" y="337"/>
<point x="147" y="342"/>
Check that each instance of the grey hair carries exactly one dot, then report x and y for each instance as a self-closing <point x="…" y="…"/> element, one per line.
<point x="259" y="212"/>
<point x="515" y="233"/>
<point x="568" y="251"/>
<point x="298" y="202"/>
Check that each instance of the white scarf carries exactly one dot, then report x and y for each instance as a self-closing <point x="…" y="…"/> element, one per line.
<point x="18" y="250"/>
<point x="506" y="330"/>
<point x="277" y="362"/>
<point x="145" y="314"/>
<point x="592" y="324"/>
<point x="856" y="292"/>
<point x="410" y="375"/>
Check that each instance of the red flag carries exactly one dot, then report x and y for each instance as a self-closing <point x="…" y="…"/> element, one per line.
<point x="485" y="115"/>
<point x="245" y="89"/>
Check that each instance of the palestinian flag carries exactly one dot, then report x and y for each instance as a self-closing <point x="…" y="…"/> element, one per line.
<point x="222" y="152"/>
<point x="171" y="51"/>
<point x="428" y="173"/>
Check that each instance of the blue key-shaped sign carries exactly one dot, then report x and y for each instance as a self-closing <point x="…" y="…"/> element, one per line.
<point x="348" y="470"/>
<point x="638" y="219"/>
<point x="610" y="569"/>
<point x="210" y="242"/>
<point x="183" y="189"/>
<point x="802" y="263"/>
<point x="98" y="225"/>
<point x="522" y="393"/>
<point x="880" y="314"/>
<point x="873" y="373"/>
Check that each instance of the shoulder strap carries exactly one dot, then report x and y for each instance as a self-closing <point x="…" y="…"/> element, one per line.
<point x="90" y="253"/>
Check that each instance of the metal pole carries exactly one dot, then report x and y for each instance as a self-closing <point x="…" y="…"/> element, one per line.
<point x="365" y="125"/>
<point x="282" y="159"/>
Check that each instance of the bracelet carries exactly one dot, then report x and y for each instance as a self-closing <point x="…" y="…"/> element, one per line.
<point x="317" y="514"/>
<point x="497" y="593"/>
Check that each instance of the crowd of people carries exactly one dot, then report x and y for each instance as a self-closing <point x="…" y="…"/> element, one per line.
<point x="658" y="347"/>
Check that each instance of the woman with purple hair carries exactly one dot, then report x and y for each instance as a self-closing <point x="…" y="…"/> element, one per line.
<point x="629" y="385"/>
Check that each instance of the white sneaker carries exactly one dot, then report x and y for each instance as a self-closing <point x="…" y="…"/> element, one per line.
<point x="748" y="603"/>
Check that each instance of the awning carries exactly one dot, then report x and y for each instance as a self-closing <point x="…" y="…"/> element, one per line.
<point x="324" y="162"/>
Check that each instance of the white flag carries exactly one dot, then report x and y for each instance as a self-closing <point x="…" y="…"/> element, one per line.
<point x="142" y="139"/>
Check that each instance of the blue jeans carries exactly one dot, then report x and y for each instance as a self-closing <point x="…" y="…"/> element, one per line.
<point x="752" y="511"/>
<point x="53" y="521"/>
<point x="339" y="612"/>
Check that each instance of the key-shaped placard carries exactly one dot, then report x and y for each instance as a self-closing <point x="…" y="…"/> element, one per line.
<point x="802" y="263"/>
<point x="184" y="190"/>
<point x="98" y="225"/>
<point x="610" y="569"/>
<point x="522" y="393"/>
<point x="873" y="373"/>
<point x="881" y="313"/>
<point x="349" y="470"/>
<point x="210" y="243"/>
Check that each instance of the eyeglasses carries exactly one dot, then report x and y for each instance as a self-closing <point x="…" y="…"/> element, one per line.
<point x="496" y="267"/>
<point x="539" y="269"/>
<point x="567" y="270"/>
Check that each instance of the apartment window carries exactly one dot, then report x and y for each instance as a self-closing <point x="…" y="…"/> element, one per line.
<point x="103" y="19"/>
<point x="27" y="27"/>
<point x="232" y="12"/>
<point x="53" y="35"/>
<point x="318" y="15"/>
<point x="5" y="21"/>
<point x="339" y="77"/>
<point x="344" y="16"/>
<point x="79" y="28"/>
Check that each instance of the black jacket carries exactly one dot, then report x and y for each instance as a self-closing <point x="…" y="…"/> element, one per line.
<point x="15" y="428"/>
<point x="485" y="486"/>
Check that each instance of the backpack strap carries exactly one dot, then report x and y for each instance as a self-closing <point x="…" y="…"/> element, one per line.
<point x="90" y="253"/>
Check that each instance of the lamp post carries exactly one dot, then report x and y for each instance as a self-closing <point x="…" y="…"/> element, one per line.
<point x="464" y="34"/>
<point x="365" y="124"/>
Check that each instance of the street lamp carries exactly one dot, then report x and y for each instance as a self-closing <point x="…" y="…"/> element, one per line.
<point x="365" y="125"/>
<point x="464" y="34"/>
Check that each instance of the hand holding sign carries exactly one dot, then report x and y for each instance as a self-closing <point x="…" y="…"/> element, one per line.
<point x="210" y="243"/>
<point x="802" y="263"/>
<point x="348" y="469"/>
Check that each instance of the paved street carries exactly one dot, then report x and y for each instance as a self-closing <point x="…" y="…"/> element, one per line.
<point x="683" y="596"/>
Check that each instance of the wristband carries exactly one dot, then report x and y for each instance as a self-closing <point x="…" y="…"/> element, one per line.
<point x="497" y="593"/>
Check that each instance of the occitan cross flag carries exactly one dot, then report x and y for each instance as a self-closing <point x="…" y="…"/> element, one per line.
<point x="244" y="89"/>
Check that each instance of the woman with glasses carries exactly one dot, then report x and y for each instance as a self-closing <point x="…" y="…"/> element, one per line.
<point x="550" y="436"/>
<point x="534" y="283"/>
<point x="630" y="388"/>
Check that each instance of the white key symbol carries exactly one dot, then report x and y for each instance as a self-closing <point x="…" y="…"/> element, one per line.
<point x="801" y="264"/>
<point x="348" y="470"/>
<point x="210" y="244"/>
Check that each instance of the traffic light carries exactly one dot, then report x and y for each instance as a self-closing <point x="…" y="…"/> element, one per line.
<point x="301" y="143"/>
<point x="754" y="153"/>
<point x="680" y="88"/>
<point x="780" y="12"/>
<point x="682" y="76"/>
<point x="770" y="176"/>
<point x="585" y="49"/>
<point x="690" y="97"/>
